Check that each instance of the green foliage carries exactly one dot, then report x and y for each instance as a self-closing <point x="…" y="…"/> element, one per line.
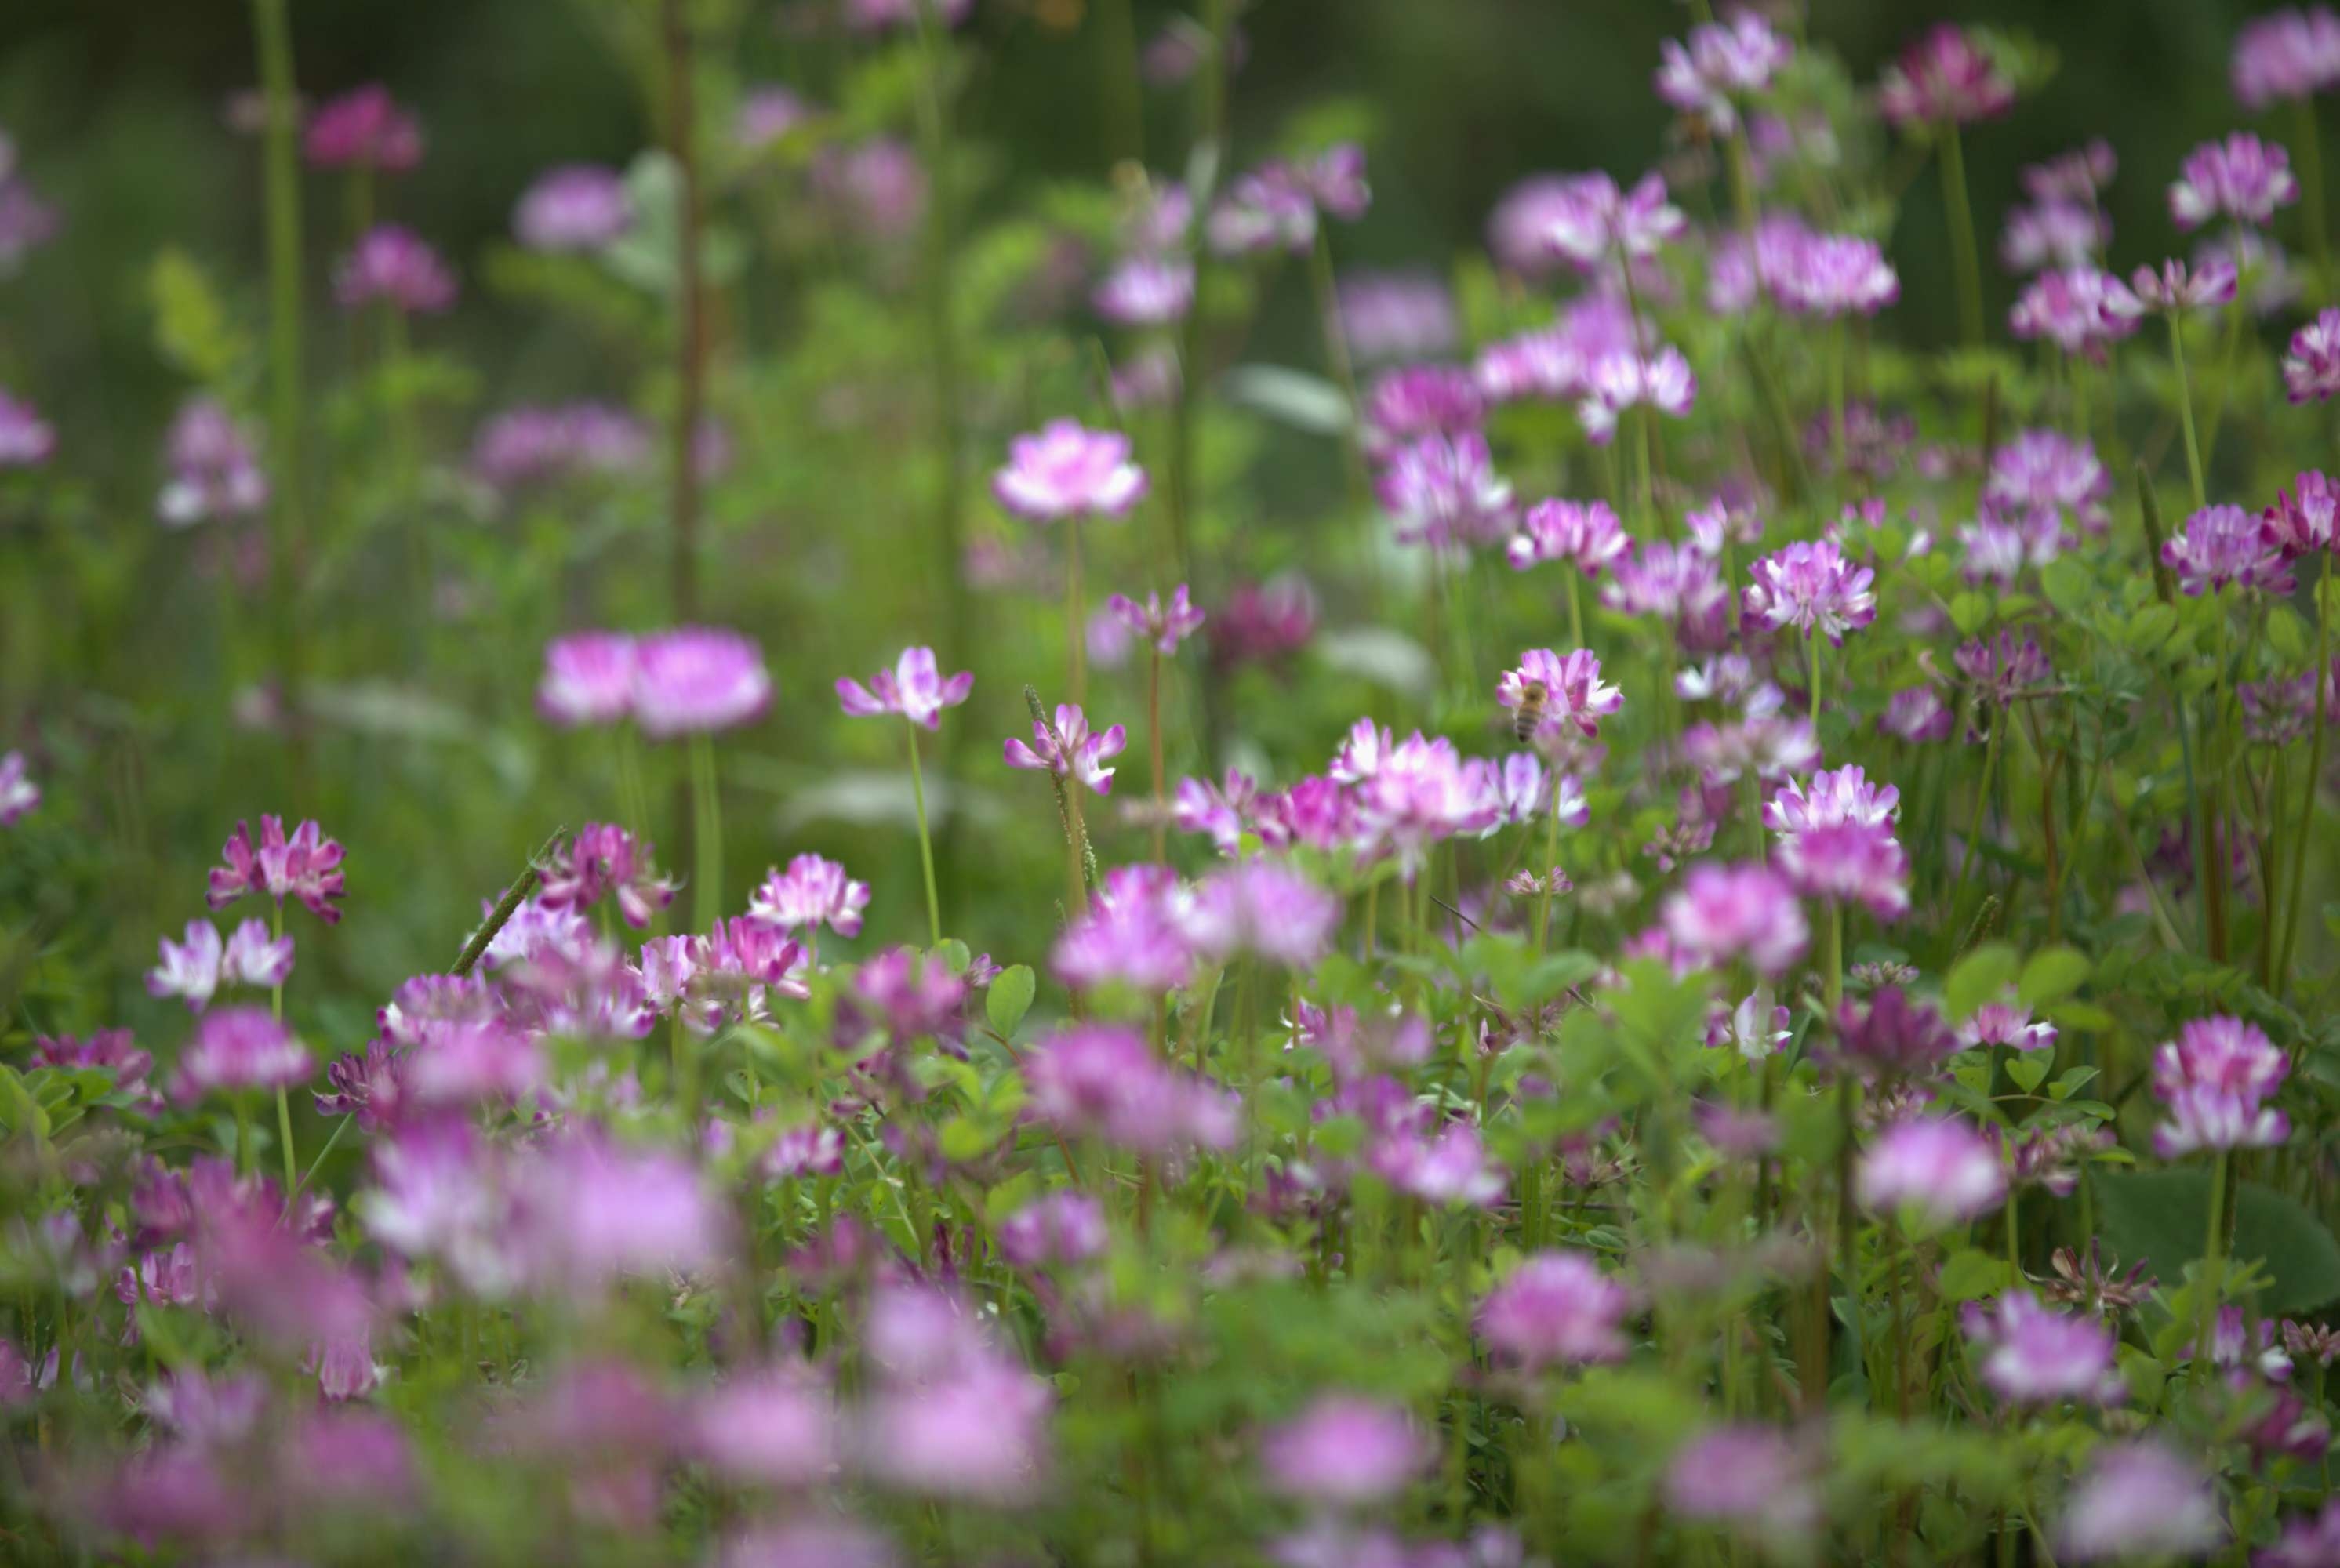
<point x="2162" y="1218"/>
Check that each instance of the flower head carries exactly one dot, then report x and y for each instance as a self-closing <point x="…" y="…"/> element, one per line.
<point x="393" y="265"/>
<point x="2030" y="1355"/>
<point x="2010" y="665"/>
<point x="2242" y="178"/>
<point x="1068" y="750"/>
<point x="1145" y="291"/>
<point x="2226" y="545"/>
<point x="1935" y="1170"/>
<point x="1100" y="1081"/>
<point x="2072" y="307"/>
<point x="574" y="207"/>
<point x="1591" y="222"/>
<point x="1835" y="275"/>
<point x="1721" y="63"/>
<point x="1947" y="77"/>
<point x="606" y="858"/>
<point x="1892" y="1037"/>
<point x="2215" y="1079"/>
<point x="1260" y="907"/>
<point x="813" y="891"/>
<point x="1555" y="1308"/>
<point x="1444" y="490"/>
<point x="1130" y="934"/>
<point x="2311" y="365"/>
<point x="1585" y="534"/>
<point x="19" y="795"/>
<point x="1662" y="380"/>
<point x="2305" y="518"/>
<point x="1415" y="400"/>
<point x="27" y="440"/>
<point x="2171" y="288"/>
<point x="1165" y="626"/>
<point x="912" y="688"/>
<point x="1726" y="913"/>
<point x="696" y="679"/>
<point x="1811" y="587"/>
<point x="1566" y="690"/>
<point x="214" y="473"/>
<point x="364" y="128"/>
<point x="306" y="866"/>
<point x="239" y="1048"/>
<point x="1066" y="470"/>
<point x="1755" y="1479"/>
<point x="588" y="678"/>
<point x="2139" y="1500"/>
<point x="1343" y="1452"/>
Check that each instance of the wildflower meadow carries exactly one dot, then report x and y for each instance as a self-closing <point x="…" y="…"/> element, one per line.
<point x="975" y="813"/>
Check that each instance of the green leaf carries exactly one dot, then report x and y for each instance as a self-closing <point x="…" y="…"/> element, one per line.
<point x="1010" y="997"/>
<point x="964" y="1137"/>
<point x="955" y="954"/>
<point x="1969" y="612"/>
<point x="2051" y="976"/>
<point x="2071" y="1083"/>
<point x="2149" y="628"/>
<point x="1981" y="976"/>
<point x="2068" y="586"/>
<point x="2029" y="1070"/>
<point x="1969" y="1275"/>
<point x="2162" y="1217"/>
<point x="2287" y="634"/>
<point x="192" y="330"/>
<point x="1293" y="397"/>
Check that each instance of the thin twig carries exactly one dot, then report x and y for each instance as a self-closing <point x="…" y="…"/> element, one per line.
<point x="506" y="907"/>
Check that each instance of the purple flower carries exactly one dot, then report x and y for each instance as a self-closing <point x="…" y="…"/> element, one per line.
<point x="392" y="264"/>
<point x="1570" y="689"/>
<point x="1417" y="400"/>
<point x="2072" y="307"/>
<point x="27" y="440"/>
<point x="1917" y="715"/>
<point x="239" y="1048"/>
<point x="1337" y="180"/>
<point x="1591" y="222"/>
<point x="1067" y="471"/>
<point x="2007" y="1023"/>
<point x="2305" y="519"/>
<point x="1260" y="907"/>
<point x="1836" y="843"/>
<point x="2215" y="1079"/>
<point x="527" y="446"/>
<point x="2053" y="234"/>
<point x="1676" y="583"/>
<point x="213" y="471"/>
<point x="875" y="190"/>
<point x="1082" y="756"/>
<point x="586" y="1211"/>
<point x="1838" y="275"/>
<point x="1947" y="77"/>
<point x="364" y="128"/>
<point x="19" y="795"/>
<point x="574" y="207"/>
<point x="306" y="866"/>
<point x="1662" y="380"/>
<point x="1754" y="1478"/>
<point x="1272" y="208"/>
<point x="1586" y="534"/>
<point x="2311" y="365"/>
<point x="1726" y="913"/>
<point x="1890" y="1037"/>
<point x="2044" y="469"/>
<point x="1933" y="1170"/>
<point x="2008" y="667"/>
<point x="2223" y="545"/>
<point x="1444" y="490"/>
<point x="766" y="115"/>
<point x="1343" y="1452"/>
<point x="1813" y="588"/>
<point x="772" y="1428"/>
<point x="696" y="679"/>
<point x="2030" y="1355"/>
<point x="912" y="688"/>
<point x="1720" y="64"/>
<point x="1130" y="934"/>
<point x="2139" y="1500"/>
<point x="1053" y="1230"/>
<point x="813" y="891"/>
<point x="1165" y="626"/>
<point x="2242" y="178"/>
<point x="1262" y="623"/>
<point x="111" y="1051"/>
<point x="2308" y="1540"/>
<point x="588" y="678"/>
<point x="191" y="969"/>
<point x="1557" y="1308"/>
<point x="915" y="993"/>
<point x="1101" y="1080"/>
<point x="1397" y="316"/>
<point x="606" y="858"/>
<point x="1145" y="291"/>
<point x="2289" y="54"/>
<point x="2171" y="288"/>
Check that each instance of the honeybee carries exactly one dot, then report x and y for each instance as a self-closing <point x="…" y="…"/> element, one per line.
<point x="1529" y="715"/>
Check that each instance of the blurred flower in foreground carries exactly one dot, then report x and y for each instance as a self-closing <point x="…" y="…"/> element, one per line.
<point x="588" y="678"/>
<point x="2215" y="1078"/>
<point x="1397" y="316"/>
<point x="1067" y="471"/>
<point x="2289" y="54"/>
<point x="1757" y="1480"/>
<point x="1343" y="1452"/>
<point x="2242" y="178"/>
<point x="239" y="1048"/>
<point x="364" y="128"/>
<point x="19" y="795"/>
<point x="393" y="265"/>
<point x="2139" y="1500"/>
<point x="27" y="440"/>
<point x="2311" y="365"/>
<point x="1935" y="1171"/>
<point x="1556" y="1308"/>
<point x="214" y="473"/>
<point x="695" y="679"/>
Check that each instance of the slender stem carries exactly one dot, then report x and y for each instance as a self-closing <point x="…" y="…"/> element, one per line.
<point x="1077" y="661"/>
<point x="691" y="328"/>
<point x="1836" y="434"/>
<point x="705" y="833"/>
<point x="2307" y="142"/>
<point x="926" y="845"/>
<point x="2323" y="673"/>
<point x="1813" y="653"/>
<point x="287" y="561"/>
<point x="1154" y="746"/>
<point x="1834" y="958"/>
<point x="1116" y="69"/>
<point x="2206" y="1322"/>
<point x="2186" y="409"/>
<point x="1569" y="574"/>
<point x="1982" y="802"/>
<point x="1336" y="356"/>
<point x="1962" y="237"/>
<point x="276" y="1012"/>
<point x="1551" y="857"/>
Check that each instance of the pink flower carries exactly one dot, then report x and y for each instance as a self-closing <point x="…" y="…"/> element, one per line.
<point x="1130" y="934"/>
<point x="27" y="440"/>
<point x="574" y="207"/>
<point x="214" y="472"/>
<point x="766" y="115"/>
<point x="191" y="969"/>
<point x="2289" y="54"/>
<point x="1557" y="1308"/>
<point x="1721" y="63"/>
<point x="696" y="679"/>
<point x="813" y="891"/>
<point x="2242" y="178"/>
<point x="1101" y="1080"/>
<point x="1934" y="1170"/>
<point x="770" y="1428"/>
<point x="2171" y="288"/>
<point x="1066" y="470"/>
<point x="392" y="264"/>
<point x="1917" y="715"/>
<point x="2138" y="1502"/>
<point x="1397" y="315"/>
<point x="1725" y="912"/>
<point x="239" y="1048"/>
<point x="588" y="1211"/>
<point x="915" y="993"/>
<point x="2029" y="1354"/>
<point x="1572" y="695"/>
<point x="1166" y="625"/>
<point x="1945" y="78"/>
<point x="1145" y="291"/>
<point x="1757" y="1478"/>
<point x="1444" y="490"/>
<point x="1053" y="1230"/>
<point x="1416" y="400"/>
<point x="912" y="688"/>
<point x="606" y="858"/>
<point x="2071" y="308"/>
<point x="1591" y="222"/>
<point x="588" y="678"/>
<point x="1082" y="757"/>
<point x="2215" y="1079"/>
<point x="306" y="866"/>
<point x="1586" y="534"/>
<point x="1662" y="380"/>
<point x="2007" y="1023"/>
<point x="1260" y="907"/>
<point x="1831" y="798"/>
<point x="2311" y="365"/>
<point x="2305" y="519"/>
<point x="2053" y="234"/>
<point x="1269" y="209"/>
<point x="1812" y="589"/>
<point x="2044" y="469"/>
<point x="2009" y="666"/>
<point x="1838" y="275"/>
<point x="364" y="128"/>
<point x="2225" y="544"/>
<point x="1343" y="1452"/>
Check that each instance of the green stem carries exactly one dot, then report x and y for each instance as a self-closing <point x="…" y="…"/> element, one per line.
<point x="1125" y="123"/>
<point x="274" y="35"/>
<point x="1551" y="857"/>
<point x="2186" y="409"/>
<point x="1834" y="958"/>
<point x="2308" y="802"/>
<point x="1076" y="660"/>
<point x="1570" y="574"/>
<point x="1968" y="862"/>
<point x="926" y="846"/>
<point x="1153" y="748"/>
<point x="1812" y="654"/>
<point x="939" y="281"/>
<point x="1962" y="237"/>
<point x="1836" y="435"/>
<point x="2307" y="142"/>
<point x="691" y="328"/>
<point x="707" y="832"/>
<point x="2206" y="1321"/>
